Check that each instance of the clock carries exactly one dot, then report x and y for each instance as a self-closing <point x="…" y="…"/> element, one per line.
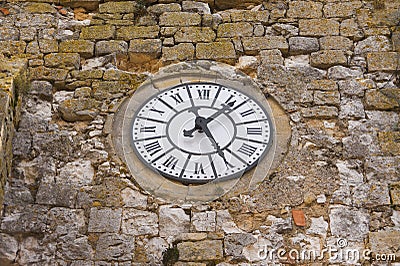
<point x="197" y="132"/>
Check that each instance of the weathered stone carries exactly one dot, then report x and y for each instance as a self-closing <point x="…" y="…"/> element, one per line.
<point x="373" y="44"/>
<point x="133" y="198"/>
<point x="271" y="57"/>
<point x="383" y="61"/>
<point x="318" y="227"/>
<point x="158" y="9"/>
<point x="196" y="7"/>
<point x="234" y="244"/>
<point x="318" y="27"/>
<point x="110" y="89"/>
<point x="384" y="99"/>
<point x="328" y="58"/>
<point x="79" y="110"/>
<point x="148" y="47"/>
<point x="326" y="97"/>
<point x="202" y="250"/>
<point x="75" y="248"/>
<point x="304" y="9"/>
<point x="389" y="142"/>
<point x="303" y="45"/>
<point x="395" y="193"/>
<point x="351" y="224"/>
<point x="87" y="74"/>
<point x="118" y="7"/>
<point x="104" y="220"/>
<point x="12" y="47"/>
<point x="260" y="16"/>
<point x="43" y="89"/>
<point x="52" y="193"/>
<point x="238" y="29"/>
<point x="341" y="72"/>
<point x="341" y="9"/>
<point x="350" y="28"/>
<point x="323" y="85"/>
<point x="385" y="242"/>
<point x="51" y="74"/>
<point x="180" y="19"/>
<point x="215" y="51"/>
<point x="62" y="60"/>
<point x="286" y="30"/>
<point x="351" y="108"/>
<point x="99" y="32"/>
<point x="135" y="222"/>
<point x="335" y="43"/>
<point x="204" y="221"/>
<point x="48" y="46"/>
<point x="109" y="47"/>
<point x="62" y="221"/>
<point x="33" y="251"/>
<point x="84" y="47"/>
<point x="137" y="32"/>
<point x="32" y="219"/>
<point x="180" y="52"/>
<point x="194" y="35"/>
<point x="40" y="8"/>
<point x="173" y="221"/>
<point x="255" y="44"/>
<point x="115" y="246"/>
<point x="228" y="4"/>
<point x="320" y="112"/>
<point x="8" y="249"/>
<point x="280" y="225"/>
<point x="10" y="34"/>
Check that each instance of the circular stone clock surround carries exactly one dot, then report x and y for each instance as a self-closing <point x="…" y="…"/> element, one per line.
<point x="198" y="72"/>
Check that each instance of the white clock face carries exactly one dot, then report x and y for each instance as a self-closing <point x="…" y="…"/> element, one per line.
<point x="200" y="132"/>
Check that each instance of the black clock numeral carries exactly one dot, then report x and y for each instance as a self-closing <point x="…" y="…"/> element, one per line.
<point x="204" y="94"/>
<point x="198" y="168"/>
<point x="230" y="97"/>
<point x="151" y="129"/>
<point x="254" y="131"/>
<point x="247" y="149"/>
<point x="178" y="99"/>
<point x="157" y="111"/>
<point x="153" y="147"/>
<point x="248" y="112"/>
<point x="171" y="162"/>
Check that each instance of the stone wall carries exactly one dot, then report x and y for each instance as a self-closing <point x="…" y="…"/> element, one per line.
<point x="332" y="65"/>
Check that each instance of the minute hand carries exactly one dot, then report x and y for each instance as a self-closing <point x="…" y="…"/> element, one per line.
<point x="220" y="111"/>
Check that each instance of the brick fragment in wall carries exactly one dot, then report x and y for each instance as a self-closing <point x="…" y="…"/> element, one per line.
<point x="180" y="52"/>
<point x="238" y="29"/>
<point x="180" y="19"/>
<point x="383" y="61"/>
<point x="194" y="34"/>
<point x="100" y="32"/>
<point x="328" y="58"/>
<point x="84" y="47"/>
<point x="253" y="45"/>
<point x="137" y="32"/>
<point x="304" y="9"/>
<point x="318" y="27"/>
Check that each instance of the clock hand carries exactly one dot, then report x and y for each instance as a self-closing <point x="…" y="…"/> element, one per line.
<point x="189" y="133"/>
<point x="202" y="122"/>
<point x="220" y="111"/>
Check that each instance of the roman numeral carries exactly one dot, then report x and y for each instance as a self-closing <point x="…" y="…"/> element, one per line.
<point x="157" y="111"/>
<point x="198" y="169"/>
<point x="247" y="149"/>
<point x="204" y="94"/>
<point x="254" y="131"/>
<point x="171" y="162"/>
<point x="248" y="112"/>
<point x="178" y="99"/>
<point x="148" y="129"/>
<point x="153" y="147"/>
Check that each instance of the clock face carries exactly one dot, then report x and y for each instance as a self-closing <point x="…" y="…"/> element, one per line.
<point x="200" y="132"/>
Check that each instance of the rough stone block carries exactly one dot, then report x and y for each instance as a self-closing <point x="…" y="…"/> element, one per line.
<point x="373" y="44"/>
<point x="194" y="35"/>
<point x="9" y="34"/>
<point x="180" y="19"/>
<point x="109" y="47"/>
<point x="8" y="249"/>
<point x="104" y="220"/>
<point x="239" y="4"/>
<point x="87" y="74"/>
<point x="116" y="246"/>
<point x="304" y="9"/>
<point x="255" y="44"/>
<point x="149" y="47"/>
<point x="327" y="97"/>
<point x="196" y="7"/>
<point x="158" y="9"/>
<point x="62" y="60"/>
<point x="322" y="85"/>
<point x="201" y="250"/>
<point x="341" y="9"/>
<point x="48" y="46"/>
<point x="350" y="28"/>
<point x="303" y="45"/>
<point x="385" y="242"/>
<point x="335" y="43"/>
<point x="180" y="52"/>
<point x="271" y="57"/>
<point x="395" y="193"/>
<point x="40" y="8"/>
<point x="351" y="108"/>
<point x="135" y="222"/>
<point x="396" y="40"/>
<point x="84" y="47"/>
<point x="79" y="109"/>
<point x="110" y="89"/>
<point x="12" y="47"/>
<point x="351" y="224"/>
<point x="173" y="221"/>
<point x="318" y="27"/>
<point x="328" y="58"/>
<point x="118" y="7"/>
<point x="341" y="72"/>
<point x="137" y="32"/>
<point x="320" y="112"/>
<point x="389" y="142"/>
<point x="204" y="221"/>
<point x="215" y="50"/>
<point x="260" y="16"/>
<point x="99" y="32"/>
<point x="382" y="61"/>
<point x="384" y="99"/>
<point x="51" y="74"/>
<point x="238" y="29"/>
